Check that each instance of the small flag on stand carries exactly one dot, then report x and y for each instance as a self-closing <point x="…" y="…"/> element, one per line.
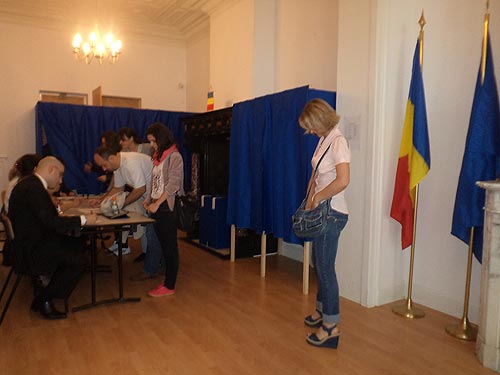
<point x="481" y="160"/>
<point x="414" y="155"/>
<point x="210" y="100"/>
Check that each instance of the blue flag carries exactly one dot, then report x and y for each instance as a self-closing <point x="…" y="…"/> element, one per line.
<point x="481" y="160"/>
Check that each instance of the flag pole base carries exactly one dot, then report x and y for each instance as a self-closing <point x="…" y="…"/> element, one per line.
<point x="408" y="311"/>
<point x="463" y="330"/>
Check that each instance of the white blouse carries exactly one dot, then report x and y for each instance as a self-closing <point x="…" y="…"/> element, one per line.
<point x="338" y="153"/>
<point x="168" y="177"/>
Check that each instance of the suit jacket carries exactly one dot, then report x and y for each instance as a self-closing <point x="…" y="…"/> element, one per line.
<point x="38" y="228"/>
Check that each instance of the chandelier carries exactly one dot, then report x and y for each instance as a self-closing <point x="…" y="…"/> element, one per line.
<point x="107" y="48"/>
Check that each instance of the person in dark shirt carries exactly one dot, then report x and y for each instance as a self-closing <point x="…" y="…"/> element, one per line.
<point x="41" y="244"/>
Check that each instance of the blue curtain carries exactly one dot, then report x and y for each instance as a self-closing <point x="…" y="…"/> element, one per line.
<point x="73" y="133"/>
<point x="269" y="164"/>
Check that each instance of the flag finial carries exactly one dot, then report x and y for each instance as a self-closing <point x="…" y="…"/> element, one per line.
<point x="422" y="23"/>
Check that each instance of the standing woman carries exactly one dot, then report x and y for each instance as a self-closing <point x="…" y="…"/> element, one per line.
<point x="167" y="180"/>
<point x="331" y="180"/>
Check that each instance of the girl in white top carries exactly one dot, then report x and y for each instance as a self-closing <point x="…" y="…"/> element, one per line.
<point x="320" y="119"/>
<point x="337" y="154"/>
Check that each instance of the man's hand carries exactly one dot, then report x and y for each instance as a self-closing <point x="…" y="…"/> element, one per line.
<point x="66" y="205"/>
<point x="91" y="218"/>
<point x="95" y="202"/>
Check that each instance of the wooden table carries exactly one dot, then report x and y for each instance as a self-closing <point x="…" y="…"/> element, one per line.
<point x="105" y="225"/>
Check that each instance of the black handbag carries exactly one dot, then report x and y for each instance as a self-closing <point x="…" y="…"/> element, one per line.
<point x="185" y="210"/>
<point x="311" y="223"/>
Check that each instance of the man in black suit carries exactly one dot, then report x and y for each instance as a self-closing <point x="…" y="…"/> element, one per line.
<point x="41" y="244"/>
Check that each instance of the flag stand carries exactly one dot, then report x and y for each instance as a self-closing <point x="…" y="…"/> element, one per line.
<point x="465" y="330"/>
<point x="408" y="310"/>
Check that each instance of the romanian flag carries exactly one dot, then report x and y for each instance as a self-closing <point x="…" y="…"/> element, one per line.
<point x="414" y="156"/>
<point x="481" y="160"/>
<point x="210" y="100"/>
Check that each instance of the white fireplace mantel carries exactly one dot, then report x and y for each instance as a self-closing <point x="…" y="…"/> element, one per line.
<point x="488" y="337"/>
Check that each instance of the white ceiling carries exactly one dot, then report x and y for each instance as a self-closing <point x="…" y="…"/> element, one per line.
<point x="159" y="20"/>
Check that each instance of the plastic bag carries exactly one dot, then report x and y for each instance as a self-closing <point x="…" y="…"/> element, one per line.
<point x="106" y="208"/>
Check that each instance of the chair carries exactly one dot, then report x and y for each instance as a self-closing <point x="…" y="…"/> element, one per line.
<point x="10" y="239"/>
<point x="9" y="231"/>
<point x="2" y="210"/>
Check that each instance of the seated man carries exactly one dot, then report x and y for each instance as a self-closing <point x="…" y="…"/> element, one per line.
<point x="41" y="244"/>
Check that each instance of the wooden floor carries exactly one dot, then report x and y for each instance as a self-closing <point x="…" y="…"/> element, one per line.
<point x="223" y="319"/>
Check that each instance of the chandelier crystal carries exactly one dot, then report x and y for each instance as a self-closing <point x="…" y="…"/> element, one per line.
<point x="107" y="48"/>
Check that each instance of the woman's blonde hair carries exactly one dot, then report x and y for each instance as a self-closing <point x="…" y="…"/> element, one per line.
<point x="318" y="115"/>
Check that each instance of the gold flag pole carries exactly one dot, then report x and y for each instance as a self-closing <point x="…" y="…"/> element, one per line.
<point x="408" y="310"/>
<point x="485" y="40"/>
<point x="465" y="330"/>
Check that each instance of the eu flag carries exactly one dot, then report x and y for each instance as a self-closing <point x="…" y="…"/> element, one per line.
<point x="481" y="160"/>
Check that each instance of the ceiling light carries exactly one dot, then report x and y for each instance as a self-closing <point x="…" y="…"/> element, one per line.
<point x="107" y="48"/>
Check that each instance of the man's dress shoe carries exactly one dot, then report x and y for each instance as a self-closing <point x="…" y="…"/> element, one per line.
<point x="47" y="310"/>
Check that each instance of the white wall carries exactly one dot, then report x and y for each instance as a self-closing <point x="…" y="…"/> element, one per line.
<point x="306" y="44"/>
<point x="452" y="50"/>
<point x="231" y="54"/>
<point x="303" y="35"/>
<point x="197" y="72"/>
<point x="264" y="46"/>
<point x="41" y="59"/>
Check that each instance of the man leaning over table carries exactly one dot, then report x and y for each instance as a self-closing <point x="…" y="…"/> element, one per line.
<point x="133" y="169"/>
<point x="42" y="246"/>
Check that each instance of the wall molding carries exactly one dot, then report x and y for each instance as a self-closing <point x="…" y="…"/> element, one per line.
<point x="378" y="29"/>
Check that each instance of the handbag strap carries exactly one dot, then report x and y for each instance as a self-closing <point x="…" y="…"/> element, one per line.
<point x="316" y="170"/>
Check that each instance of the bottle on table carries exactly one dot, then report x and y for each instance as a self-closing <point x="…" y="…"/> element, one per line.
<point x="114" y="206"/>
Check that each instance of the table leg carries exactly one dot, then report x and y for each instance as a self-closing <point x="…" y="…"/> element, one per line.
<point x="233" y="243"/>
<point x="93" y="270"/>
<point x="120" y="278"/>
<point x="263" y="253"/>
<point x="93" y="263"/>
<point x="120" y="269"/>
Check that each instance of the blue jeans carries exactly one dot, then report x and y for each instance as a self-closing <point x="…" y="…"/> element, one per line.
<point x="144" y="243"/>
<point x="154" y="254"/>
<point x="325" y="252"/>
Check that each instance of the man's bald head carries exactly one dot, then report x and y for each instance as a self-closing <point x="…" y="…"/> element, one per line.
<point x="52" y="170"/>
<point x="49" y="161"/>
